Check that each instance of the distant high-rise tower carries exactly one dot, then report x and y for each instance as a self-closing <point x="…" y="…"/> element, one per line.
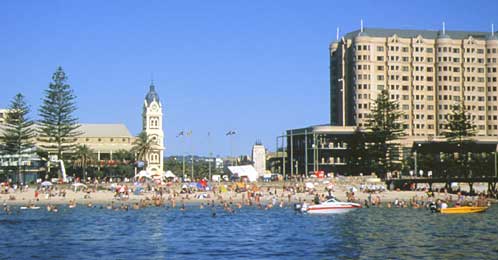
<point x="152" y="117"/>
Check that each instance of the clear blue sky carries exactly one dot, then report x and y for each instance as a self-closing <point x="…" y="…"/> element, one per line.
<point x="257" y="67"/>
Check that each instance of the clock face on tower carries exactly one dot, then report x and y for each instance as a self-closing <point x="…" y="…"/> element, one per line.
<point x="154" y="108"/>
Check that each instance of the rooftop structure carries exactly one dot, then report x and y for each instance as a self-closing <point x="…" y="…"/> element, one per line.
<point x="3" y="115"/>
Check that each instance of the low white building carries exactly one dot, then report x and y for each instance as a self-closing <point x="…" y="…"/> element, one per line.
<point x="244" y="171"/>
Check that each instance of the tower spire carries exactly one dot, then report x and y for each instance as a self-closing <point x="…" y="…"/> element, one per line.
<point x="444" y="28"/>
<point x="337" y="34"/>
<point x="361" y="25"/>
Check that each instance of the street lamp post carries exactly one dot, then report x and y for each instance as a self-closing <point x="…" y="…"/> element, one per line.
<point x="231" y="133"/>
<point x="210" y="155"/>
<point x="189" y="134"/>
<point x="416" y="158"/>
<point x="183" y="158"/>
<point x="343" y="96"/>
<point x="415" y="154"/>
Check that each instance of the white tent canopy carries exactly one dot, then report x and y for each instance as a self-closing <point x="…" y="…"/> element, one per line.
<point x="244" y="171"/>
<point x="143" y="174"/>
<point x="169" y="174"/>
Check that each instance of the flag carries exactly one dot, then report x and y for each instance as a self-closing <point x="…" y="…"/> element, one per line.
<point x="231" y="132"/>
<point x="180" y="134"/>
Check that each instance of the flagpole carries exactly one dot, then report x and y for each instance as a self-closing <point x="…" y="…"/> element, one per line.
<point x="183" y="152"/>
<point x="230" y="134"/>
<point x="192" y="155"/>
<point x="231" y="149"/>
<point x="210" y="155"/>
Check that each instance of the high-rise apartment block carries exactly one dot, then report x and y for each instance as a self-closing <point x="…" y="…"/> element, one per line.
<point x="425" y="71"/>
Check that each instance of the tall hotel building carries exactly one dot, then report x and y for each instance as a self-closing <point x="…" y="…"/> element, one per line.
<point x="425" y="71"/>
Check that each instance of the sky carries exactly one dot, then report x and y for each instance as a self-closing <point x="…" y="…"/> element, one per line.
<point x="255" y="67"/>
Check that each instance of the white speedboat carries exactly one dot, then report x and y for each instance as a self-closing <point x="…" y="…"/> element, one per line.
<point x="331" y="206"/>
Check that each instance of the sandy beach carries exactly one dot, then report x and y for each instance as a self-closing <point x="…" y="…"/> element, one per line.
<point x="269" y="192"/>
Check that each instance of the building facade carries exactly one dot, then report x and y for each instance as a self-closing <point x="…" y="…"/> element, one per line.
<point x="152" y="118"/>
<point x="427" y="72"/>
<point x="104" y="139"/>
<point x="316" y="148"/>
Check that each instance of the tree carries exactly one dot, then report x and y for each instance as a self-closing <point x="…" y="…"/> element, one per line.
<point x="173" y="164"/>
<point x="18" y="131"/>
<point x="123" y="155"/>
<point x="459" y="126"/>
<point x="84" y="155"/>
<point x="142" y="146"/>
<point x="459" y="130"/>
<point x="58" y="126"/>
<point x="383" y="128"/>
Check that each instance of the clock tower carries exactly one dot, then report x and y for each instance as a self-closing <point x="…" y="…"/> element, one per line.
<point x="152" y="118"/>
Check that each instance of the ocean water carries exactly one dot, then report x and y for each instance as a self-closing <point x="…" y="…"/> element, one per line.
<point x="250" y="233"/>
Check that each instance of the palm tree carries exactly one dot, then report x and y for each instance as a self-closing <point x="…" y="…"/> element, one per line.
<point x="83" y="153"/>
<point x="142" y="146"/>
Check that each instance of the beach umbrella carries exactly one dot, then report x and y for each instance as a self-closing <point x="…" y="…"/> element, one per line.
<point x="46" y="183"/>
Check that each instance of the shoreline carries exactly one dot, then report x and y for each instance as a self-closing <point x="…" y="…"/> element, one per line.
<point x="107" y="197"/>
<point x="262" y="193"/>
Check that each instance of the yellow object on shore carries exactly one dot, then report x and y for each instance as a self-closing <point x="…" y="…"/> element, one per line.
<point x="463" y="210"/>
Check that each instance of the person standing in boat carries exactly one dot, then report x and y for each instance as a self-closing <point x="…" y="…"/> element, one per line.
<point x="316" y="200"/>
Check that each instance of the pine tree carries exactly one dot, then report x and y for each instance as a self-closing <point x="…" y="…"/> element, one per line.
<point x="459" y="131"/>
<point x="18" y="132"/>
<point x="383" y="129"/>
<point x="58" y="126"/>
<point x="459" y="126"/>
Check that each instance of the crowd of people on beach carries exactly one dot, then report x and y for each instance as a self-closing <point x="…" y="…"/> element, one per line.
<point x="228" y="196"/>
